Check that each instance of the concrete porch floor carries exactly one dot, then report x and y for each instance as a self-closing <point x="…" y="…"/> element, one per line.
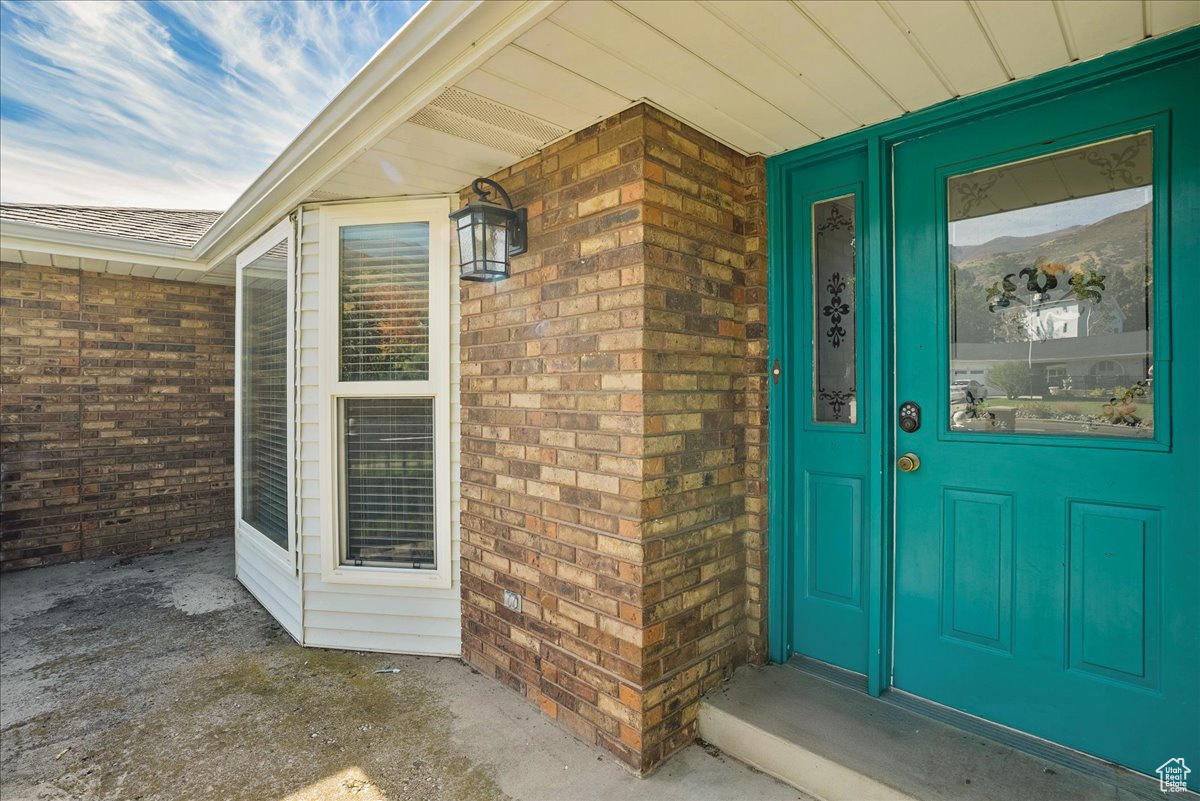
<point x="840" y="744"/>
<point x="159" y="677"/>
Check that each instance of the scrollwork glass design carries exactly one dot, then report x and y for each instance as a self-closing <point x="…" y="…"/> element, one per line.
<point x="835" y="311"/>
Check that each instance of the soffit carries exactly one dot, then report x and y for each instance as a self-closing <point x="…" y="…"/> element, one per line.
<point x="150" y="243"/>
<point x="763" y="76"/>
<point x="39" y="255"/>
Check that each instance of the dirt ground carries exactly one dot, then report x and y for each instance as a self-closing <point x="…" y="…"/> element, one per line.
<point x="161" y="678"/>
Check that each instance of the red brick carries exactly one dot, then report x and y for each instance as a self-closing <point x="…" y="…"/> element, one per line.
<point x="641" y="343"/>
<point x="118" y="414"/>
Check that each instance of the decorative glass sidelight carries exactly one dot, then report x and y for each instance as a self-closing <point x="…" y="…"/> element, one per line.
<point x="835" y="311"/>
<point x="1052" y="293"/>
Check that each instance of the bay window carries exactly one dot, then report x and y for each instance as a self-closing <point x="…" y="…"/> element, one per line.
<point x="263" y="497"/>
<point x="385" y="393"/>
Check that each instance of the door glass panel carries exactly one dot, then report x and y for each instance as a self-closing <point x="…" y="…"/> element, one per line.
<point x="1051" y="293"/>
<point x="835" y="312"/>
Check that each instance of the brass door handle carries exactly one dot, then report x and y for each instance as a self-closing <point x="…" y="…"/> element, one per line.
<point x="908" y="463"/>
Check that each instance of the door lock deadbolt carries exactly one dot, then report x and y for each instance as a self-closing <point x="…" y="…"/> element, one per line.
<point x="910" y="417"/>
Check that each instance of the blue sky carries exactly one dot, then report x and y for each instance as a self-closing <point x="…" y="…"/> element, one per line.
<point x="169" y="104"/>
<point x="1049" y="217"/>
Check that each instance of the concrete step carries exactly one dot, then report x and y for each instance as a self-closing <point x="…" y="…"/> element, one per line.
<point x="836" y="743"/>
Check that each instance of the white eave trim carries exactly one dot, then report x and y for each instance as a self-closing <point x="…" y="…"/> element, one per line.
<point x="35" y="238"/>
<point x="444" y="41"/>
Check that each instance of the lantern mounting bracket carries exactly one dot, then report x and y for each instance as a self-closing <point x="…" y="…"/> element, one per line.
<point x="518" y="242"/>
<point x="485" y="186"/>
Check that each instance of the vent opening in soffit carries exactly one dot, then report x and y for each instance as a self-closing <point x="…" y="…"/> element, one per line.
<point x="469" y="116"/>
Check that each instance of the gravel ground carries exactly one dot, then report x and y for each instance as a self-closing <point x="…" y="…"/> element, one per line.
<point x="161" y="678"/>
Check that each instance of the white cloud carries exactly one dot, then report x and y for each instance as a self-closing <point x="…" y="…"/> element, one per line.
<point x="177" y="104"/>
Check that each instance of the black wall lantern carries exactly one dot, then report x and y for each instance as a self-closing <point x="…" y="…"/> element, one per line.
<point x="488" y="233"/>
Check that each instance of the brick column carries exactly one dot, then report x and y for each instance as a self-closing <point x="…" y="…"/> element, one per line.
<point x="605" y="394"/>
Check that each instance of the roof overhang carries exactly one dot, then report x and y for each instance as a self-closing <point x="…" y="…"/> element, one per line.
<point x="440" y="44"/>
<point x="762" y="77"/>
<point x="39" y="244"/>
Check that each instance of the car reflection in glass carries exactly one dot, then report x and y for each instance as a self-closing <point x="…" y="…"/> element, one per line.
<point x="967" y="391"/>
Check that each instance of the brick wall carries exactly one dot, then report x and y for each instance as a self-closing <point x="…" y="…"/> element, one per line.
<point x="609" y="410"/>
<point x="752" y="301"/>
<point x="700" y="239"/>
<point x="117" y="414"/>
<point x="552" y="429"/>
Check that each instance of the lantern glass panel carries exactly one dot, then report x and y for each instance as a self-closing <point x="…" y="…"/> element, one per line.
<point x="466" y="245"/>
<point x="497" y="238"/>
<point x="479" y="219"/>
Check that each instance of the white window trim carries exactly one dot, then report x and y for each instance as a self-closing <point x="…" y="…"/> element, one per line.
<point x="283" y="231"/>
<point x="435" y="212"/>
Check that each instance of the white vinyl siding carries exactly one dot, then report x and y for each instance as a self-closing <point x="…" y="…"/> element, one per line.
<point x="271" y="584"/>
<point x="367" y="615"/>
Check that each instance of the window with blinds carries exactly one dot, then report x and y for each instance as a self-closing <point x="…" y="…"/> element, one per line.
<point x="264" y="394"/>
<point x="387" y="494"/>
<point x="385" y="400"/>
<point x="384" y="302"/>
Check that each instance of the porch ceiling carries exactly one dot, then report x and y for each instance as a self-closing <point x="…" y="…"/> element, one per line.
<point x="764" y="76"/>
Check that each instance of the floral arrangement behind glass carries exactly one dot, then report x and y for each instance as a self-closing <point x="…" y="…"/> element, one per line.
<point x="1083" y="284"/>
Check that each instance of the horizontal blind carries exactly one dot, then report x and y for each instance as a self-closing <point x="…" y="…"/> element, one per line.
<point x="264" y="395"/>
<point x="384" y="302"/>
<point x="388" y="496"/>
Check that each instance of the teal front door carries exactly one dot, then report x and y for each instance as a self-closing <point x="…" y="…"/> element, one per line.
<point x="1047" y="328"/>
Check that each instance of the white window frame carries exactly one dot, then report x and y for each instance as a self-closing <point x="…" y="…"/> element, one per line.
<point x="285" y="558"/>
<point x="435" y="212"/>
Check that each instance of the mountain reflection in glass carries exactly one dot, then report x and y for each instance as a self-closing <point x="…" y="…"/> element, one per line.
<point x="1051" y="293"/>
<point x="835" y="311"/>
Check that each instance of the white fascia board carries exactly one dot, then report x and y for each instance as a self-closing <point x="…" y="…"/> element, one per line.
<point x="80" y="244"/>
<point x="443" y="42"/>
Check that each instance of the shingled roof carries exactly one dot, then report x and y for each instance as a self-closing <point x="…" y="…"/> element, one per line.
<point x="182" y="227"/>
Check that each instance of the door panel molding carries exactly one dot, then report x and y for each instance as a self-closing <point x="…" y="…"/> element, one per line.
<point x="1114" y="574"/>
<point x="834" y="539"/>
<point x="977" y="583"/>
